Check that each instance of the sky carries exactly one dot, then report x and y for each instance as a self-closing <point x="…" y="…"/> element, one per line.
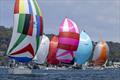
<point x="94" y="16"/>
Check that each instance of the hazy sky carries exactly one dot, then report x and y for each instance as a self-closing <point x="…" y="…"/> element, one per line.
<point x="94" y="16"/>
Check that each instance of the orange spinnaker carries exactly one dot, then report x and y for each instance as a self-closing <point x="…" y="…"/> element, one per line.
<point x="51" y="59"/>
<point x="103" y="55"/>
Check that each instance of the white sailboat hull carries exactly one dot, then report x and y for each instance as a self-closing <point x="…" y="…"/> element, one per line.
<point x="20" y="70"/>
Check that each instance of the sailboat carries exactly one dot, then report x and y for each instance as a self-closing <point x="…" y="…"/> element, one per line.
<point x="51" y="58"/>
<point x="84" y="50"/>
<point x="101" y="53"/>
<point x="41" y="56"/>
<point x="27" y="31"/>
<point x="68" y="41"/>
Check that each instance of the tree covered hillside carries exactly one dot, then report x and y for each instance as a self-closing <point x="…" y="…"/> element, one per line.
<point x="6" y="33"/>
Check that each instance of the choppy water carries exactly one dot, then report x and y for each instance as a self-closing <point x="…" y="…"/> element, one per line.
<point x="107" y="74"/>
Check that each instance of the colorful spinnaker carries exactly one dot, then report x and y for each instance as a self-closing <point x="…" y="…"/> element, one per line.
<point x="68" y="41"/>
<point x="84" y="50"/>
<point x="43" y="50"/>
<point x="27" y="32"/>
<point x="101" y="53"/>
<point x="51" y="59"/>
